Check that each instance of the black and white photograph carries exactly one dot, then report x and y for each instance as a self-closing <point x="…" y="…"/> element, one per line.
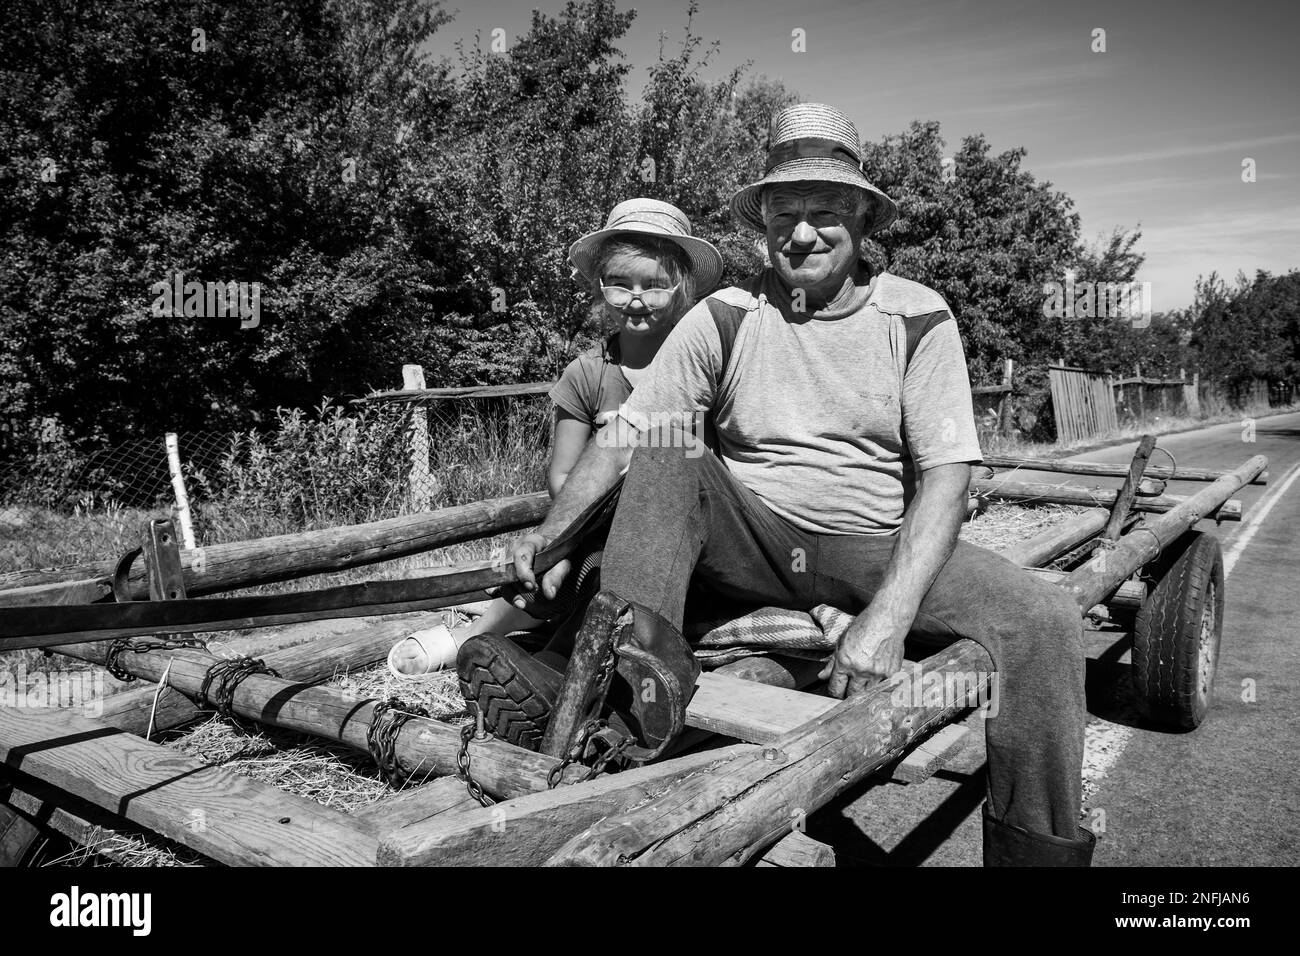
<point x="698" y="434"/>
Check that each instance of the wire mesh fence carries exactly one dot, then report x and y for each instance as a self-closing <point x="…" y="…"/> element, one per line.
<point x="329" y="466"/>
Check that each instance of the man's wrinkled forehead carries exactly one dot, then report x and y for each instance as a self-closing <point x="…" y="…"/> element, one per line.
<point x="780" y="194"/>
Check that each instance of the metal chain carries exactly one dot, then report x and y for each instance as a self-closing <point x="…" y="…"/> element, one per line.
<point x="116" y="647"/>
<point x="576" y="752"/>
<point x="607" y="757"/>
<point x="462" y="763"/>
<point x="227" y="674"/>
<point x="386" y="721"/>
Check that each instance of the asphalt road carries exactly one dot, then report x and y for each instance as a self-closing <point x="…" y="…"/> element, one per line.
<point x="1226" y="793"/>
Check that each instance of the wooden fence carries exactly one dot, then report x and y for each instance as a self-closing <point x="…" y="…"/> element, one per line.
<point x="1083" y="401"/>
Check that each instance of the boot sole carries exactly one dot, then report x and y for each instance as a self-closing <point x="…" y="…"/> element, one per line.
<point x="514" y="708"/>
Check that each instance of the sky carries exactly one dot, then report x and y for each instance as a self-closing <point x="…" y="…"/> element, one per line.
<point x="1151" y="133"/>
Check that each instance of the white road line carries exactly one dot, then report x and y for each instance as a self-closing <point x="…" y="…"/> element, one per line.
<point x="1256" y="519"/>
<point x="1104" y="741"/>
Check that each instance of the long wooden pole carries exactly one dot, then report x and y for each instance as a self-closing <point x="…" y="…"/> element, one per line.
<point x="424" y="746"/>
<point x="1064" y="466"/>
<point x="1043" y="493"/>
<point x="223" y="567"/>
<point x="1096" y="579"/>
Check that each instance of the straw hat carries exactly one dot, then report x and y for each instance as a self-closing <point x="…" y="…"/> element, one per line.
<point x="811" y="142"/>
<point x="650" y="217"/>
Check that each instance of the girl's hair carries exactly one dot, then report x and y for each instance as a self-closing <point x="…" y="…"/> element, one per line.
<point x="672" y="258"/>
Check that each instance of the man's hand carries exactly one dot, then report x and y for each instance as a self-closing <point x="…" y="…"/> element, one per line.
<point x="869" y="652"/>
<point x="522" y="554"/>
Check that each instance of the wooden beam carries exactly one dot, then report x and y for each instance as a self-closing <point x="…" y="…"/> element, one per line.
<point x="725" y="816"/>
<point x="233" y="819"/>
<point x="1040" y="492"/>
<point x="1066" y="466"/>
<point x="407" y="395"/>
<point x="47" y="808"/>
<point x="223" y="567"/>
<point x="797" y="849"/>
<point x="1055" y="541"/>
<point x="526" y="830"/>
<point x="1091" y="583"/>
<point x="749" y="711"/>
<point x="307" y="663"/>
<point x="427" y="747"/>
<point x="1129" y="595"/>
<point x="1128" y="491"/>
<point x="441" y="798"/>
<point x="930" y="755"/>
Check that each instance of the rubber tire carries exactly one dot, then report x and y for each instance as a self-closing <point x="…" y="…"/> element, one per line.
<point x="1167" y="632"/>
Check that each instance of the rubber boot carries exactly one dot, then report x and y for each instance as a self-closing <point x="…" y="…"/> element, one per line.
<point x="513" y="690"/>
<point x="656" y="674"/>
<point x="1009" y="845"/>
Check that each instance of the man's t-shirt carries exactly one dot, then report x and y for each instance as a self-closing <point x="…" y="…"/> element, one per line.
<point x="823" y="416"/>
<point x="593" y="386"/>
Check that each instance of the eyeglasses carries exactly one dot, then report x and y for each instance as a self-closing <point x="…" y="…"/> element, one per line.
<point x="621" y="298"/>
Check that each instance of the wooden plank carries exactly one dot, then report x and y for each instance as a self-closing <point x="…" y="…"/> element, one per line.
<point x="749" y="711"/>
<point x="931" y="755"/>
<point x="440" y="798"/>
<point x="222" y="567"/>
<point x="526" y="830"/>
<point x="797" y="849"/>
<point x="230" y="818"/>
<point x="49" y="809"/>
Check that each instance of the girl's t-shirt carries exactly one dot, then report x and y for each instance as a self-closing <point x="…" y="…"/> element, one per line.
<point x="593" y="386"/>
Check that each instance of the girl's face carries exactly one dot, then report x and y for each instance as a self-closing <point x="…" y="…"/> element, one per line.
<point x="639" y="272"/>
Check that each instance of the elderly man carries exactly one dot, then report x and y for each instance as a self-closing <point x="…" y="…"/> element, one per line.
<point x="846" y="436"/>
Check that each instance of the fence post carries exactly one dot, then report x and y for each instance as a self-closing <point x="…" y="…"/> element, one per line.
<point x="1005" y="409"/>
<point x="178" y="489"/>
<point x="418" y="488"/>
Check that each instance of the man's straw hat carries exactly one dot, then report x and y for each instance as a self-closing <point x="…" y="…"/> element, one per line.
<point x="811" y="142"/>
<point x="650" y="217"/>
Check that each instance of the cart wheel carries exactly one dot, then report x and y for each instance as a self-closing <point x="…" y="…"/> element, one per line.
<point x="1177" y="630"/>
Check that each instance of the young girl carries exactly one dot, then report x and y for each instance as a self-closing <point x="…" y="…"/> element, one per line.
<point x="646" y="270"/>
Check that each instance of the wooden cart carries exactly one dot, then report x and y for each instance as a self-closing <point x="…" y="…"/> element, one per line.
<point x="1134" y="555"/>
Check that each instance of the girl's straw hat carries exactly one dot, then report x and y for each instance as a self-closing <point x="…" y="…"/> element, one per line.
<point x="650" y="217"/>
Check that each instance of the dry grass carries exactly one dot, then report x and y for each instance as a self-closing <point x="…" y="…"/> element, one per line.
<point x="1002" y="524"/>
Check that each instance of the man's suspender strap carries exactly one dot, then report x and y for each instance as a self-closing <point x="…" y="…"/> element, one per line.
<point x="728" y="318"/>
<point x="918" y="326"/>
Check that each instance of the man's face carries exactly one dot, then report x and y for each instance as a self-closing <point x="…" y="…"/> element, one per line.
<point x="813" y="233"/>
